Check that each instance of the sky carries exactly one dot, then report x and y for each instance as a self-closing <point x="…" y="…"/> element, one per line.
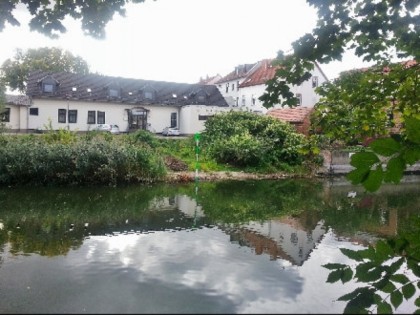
<point x="182" y="40"/>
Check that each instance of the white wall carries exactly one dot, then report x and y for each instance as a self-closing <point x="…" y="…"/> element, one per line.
<point x="158" y="116"/>
<point x="189" y="120"/>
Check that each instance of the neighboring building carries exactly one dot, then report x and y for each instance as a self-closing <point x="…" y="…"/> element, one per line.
<point x="243" y="87"/>
<point x="229" y="84"/>
<point x="15" y="112"/>
<point x="210" y="80"/>
<point x="81" y="102"/>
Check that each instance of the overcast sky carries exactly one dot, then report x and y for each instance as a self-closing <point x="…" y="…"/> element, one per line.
<point x="182" y="40"/>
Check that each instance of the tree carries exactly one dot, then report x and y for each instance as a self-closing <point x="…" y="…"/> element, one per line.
<point x="377" y="31"/>
<point x="14" y="72"/>
<point x="48" y="15"/>
<point x="357" y="105"/>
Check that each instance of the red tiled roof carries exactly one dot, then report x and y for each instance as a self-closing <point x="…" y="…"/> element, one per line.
<point x="263" y="72"/>
<point x="292" y="115"/>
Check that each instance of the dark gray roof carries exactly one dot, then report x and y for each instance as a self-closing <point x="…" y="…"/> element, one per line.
<point x="23" y="100"/>
<point x="239" y="72"/>
<point x="95" y="87"/>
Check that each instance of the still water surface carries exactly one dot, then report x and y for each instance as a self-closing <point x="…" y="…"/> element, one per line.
<point x="222" y="247"/>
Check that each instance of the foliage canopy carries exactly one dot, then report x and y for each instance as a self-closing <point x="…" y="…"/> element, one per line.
<point x="14" y="72"/>
<point x="48" y="15"/>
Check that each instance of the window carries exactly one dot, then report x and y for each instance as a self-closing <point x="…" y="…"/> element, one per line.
<point x="227" y="87"/>
<point x="253" y="98"/>
<point x="237" y="101"/>
<point x="91" y="117"/>
<point x="243" y="100"/>
<point x="173" y="120"/>
<point x="114" y="93"/>
<point x="299" y="99"/>
<point x="5" y="115"/>
<point x="314" y="81"/>
<point x="72" y="116"/>
<point x="237" y="85"/>
<point x="33" y="111"/>
<point x="204" y="117"/>
<point x="47" y="87"/>
<point x="233" y="87"/>
<point x="101" y="117"/>
<point x="148" y="95"/>
<point x="62" y="116"/>
<point x="48" y="84"/>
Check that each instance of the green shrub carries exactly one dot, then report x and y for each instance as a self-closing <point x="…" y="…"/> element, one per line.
<point x="143" y="137"/>
<point x="94" y="162"/>
<point x="245" y="139"/>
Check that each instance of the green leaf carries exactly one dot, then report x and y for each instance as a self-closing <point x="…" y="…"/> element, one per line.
<point x="412" y="155"/>
<point x="396" y="298"/>
<point x="357" y="175"/>
<point x="334" y="266"/>
<point x="414" y="266"/>
<point x="408" y="290"/>
<point x="387" y="286"/>
<point x="334" y="276"/>
<point x="417" y="302"/>
<point x="395" y="170"/>
<point x="384" y="250"/>
<point x="399" y="278"/>
<point x="368" y="272"/>
<point x="374" y="180"/>
<point x="363" y="159"/>
<point x="361" y="302"/>
<point x="349" y="296"/>
<point x="384" y="308"/>
<point x="352" y="254"/>
<point x="395" y="266"/>
<point x="412" y="126"/>
<point x="346" y="275"/>
<point x="385" y="146"/>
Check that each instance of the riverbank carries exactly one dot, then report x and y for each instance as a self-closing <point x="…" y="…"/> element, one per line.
<point x="188" y="176"/>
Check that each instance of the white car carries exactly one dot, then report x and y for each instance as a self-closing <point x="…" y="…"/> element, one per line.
<point x="170" y="132"/>
<point x="114" y="129"/>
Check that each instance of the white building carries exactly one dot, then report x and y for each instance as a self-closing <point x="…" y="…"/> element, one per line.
<point x="243" y="86"/>
<point x="81" y="102"/>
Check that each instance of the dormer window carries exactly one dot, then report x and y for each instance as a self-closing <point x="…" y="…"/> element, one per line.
<point x="48" y="84"/>
<point x="201" y="96"/>
<point x="148" y="93"/>
<point x="47" y="88"/>
<point x="114" y="92"/>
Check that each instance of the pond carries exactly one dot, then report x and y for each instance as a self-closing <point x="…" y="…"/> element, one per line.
<point x="204" y="247"/>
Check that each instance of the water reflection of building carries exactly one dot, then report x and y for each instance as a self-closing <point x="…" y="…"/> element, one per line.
<point x="283" y="238"/>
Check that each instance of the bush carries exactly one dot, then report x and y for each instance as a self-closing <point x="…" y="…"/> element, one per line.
<point x="248" y="140"/>
<point x="94" y="162"/>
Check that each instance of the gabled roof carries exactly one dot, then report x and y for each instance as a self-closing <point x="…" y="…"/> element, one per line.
<point x="292" y="115"/>
<point x="240" y="71"/>
<point x="257" y="74"/>
<point x="263" y="71"/>
<point x="210" y="80"/>
<point x="95" y="87"/>
<point x="22" y="100"/>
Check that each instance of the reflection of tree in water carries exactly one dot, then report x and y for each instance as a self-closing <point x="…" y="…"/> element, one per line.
<point x="52" y="221"/>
